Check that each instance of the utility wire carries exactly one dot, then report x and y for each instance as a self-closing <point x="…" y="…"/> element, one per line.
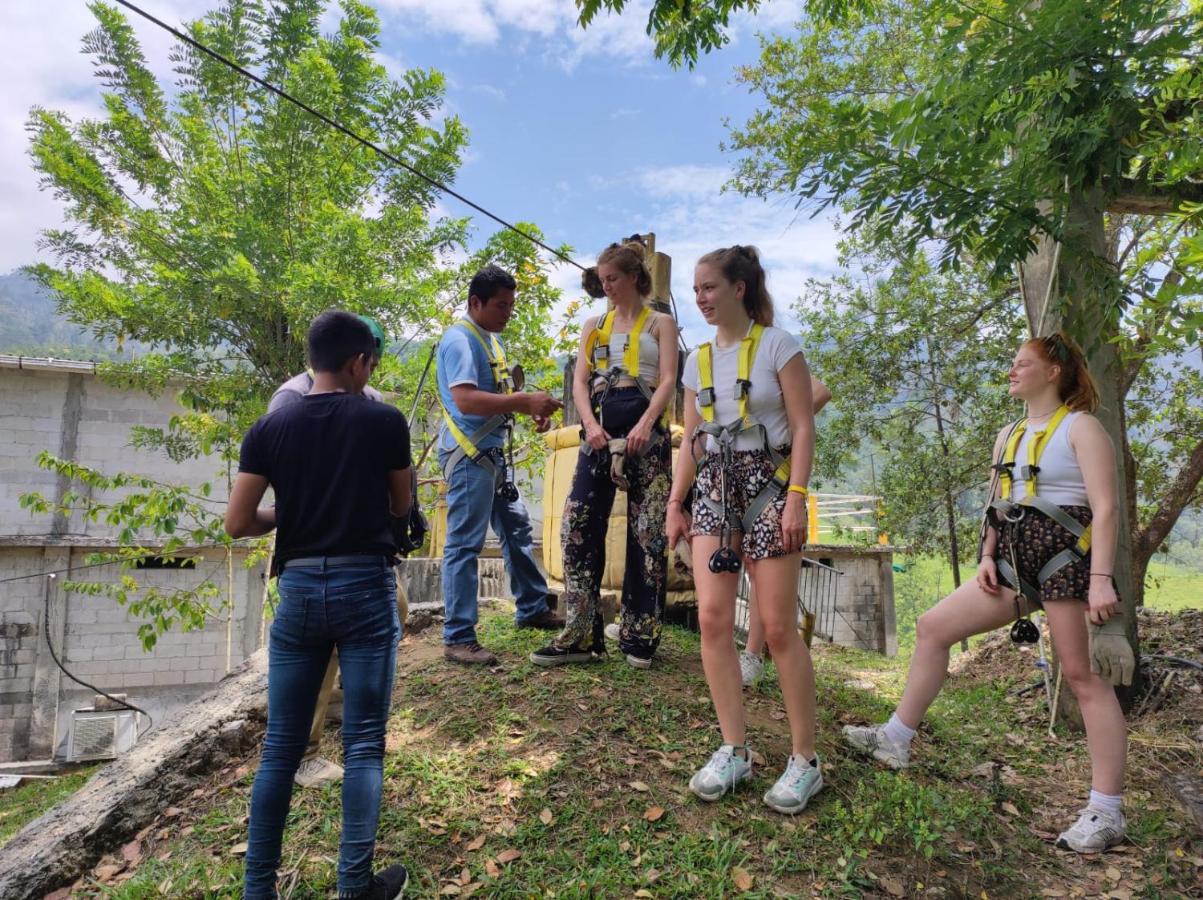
<point x="279" y="92"/>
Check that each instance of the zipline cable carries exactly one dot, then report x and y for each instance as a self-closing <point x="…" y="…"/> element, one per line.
<point x="279" y="92"/>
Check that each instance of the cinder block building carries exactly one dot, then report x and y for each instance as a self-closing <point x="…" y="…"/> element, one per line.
<point x="66" y="408"/>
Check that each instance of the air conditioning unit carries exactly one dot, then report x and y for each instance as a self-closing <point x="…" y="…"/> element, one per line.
<point x="101" y="734"/>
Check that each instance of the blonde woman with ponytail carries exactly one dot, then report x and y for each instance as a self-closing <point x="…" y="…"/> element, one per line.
<point x="622" y="402"/>
<point x="1055" y="466"/>
<point x="747" y="509"/>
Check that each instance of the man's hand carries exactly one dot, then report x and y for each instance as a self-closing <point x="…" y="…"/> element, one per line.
<point x="542" y="423"/>
<point x="540" y="404"/>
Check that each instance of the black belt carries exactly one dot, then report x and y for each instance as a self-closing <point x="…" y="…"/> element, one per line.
<point x="334" y="562"/>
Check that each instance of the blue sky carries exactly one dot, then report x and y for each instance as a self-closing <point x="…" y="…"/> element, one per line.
<point x="582" y="132"/>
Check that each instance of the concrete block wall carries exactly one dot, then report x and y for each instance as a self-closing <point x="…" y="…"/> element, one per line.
<point x="97" y="640"/>
<point x="79" y="416"/>
<point x="863" y="616"/>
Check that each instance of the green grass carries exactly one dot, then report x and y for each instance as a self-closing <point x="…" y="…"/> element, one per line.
<point x="21" y="805"/>
<point x="477" y="761"/>
<point x="1172" y="588"/>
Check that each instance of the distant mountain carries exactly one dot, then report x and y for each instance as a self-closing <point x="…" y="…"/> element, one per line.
<point x="30" y="324"/>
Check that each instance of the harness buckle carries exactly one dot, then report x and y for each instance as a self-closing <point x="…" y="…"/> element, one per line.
<point x="706" y="396"/>
<point x="743" y="387"/>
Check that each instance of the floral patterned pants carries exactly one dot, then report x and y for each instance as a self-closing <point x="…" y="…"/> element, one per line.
<point x="583" y="532"/>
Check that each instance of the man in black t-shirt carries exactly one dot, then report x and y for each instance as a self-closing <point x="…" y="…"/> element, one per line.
<point x="339" y="465"/>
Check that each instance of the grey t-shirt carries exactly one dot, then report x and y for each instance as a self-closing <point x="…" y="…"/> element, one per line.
<point x="765" y="403"/>
<point x="298" y="386"/>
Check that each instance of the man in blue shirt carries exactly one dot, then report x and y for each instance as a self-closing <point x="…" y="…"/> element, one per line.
<point x="477" y="395"/>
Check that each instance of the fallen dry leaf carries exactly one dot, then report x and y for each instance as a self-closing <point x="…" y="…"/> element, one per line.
<point x="1052" y="892"/>
<point x="651" y="875"/>
<point x="450" y="890"/>
<point x="132" y="852"/>
<point x="239" y="849"/>
<point x="653" y="813"/>
<point x="892" y="886"/>
<point x="476" y="843"/>
<point x="1010" y="809"/>
<point x="492" y="869"/>
<point x="639" y="786"/>
<point x="545" y="817"/>
<point x="465" y="876"/>
<point x="172" y="811"/>
<point x="741" y="878"/>
<point x="508" y="856"/>
<point x="1113" y="874"/>
<point x="106" y="872"/>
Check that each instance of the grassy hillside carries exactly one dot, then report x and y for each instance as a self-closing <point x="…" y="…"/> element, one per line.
<point x="521" y="782"/>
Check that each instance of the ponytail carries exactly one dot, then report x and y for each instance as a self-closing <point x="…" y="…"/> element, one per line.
<point x="742" y="263"/>
<point x="1074" y="385"/>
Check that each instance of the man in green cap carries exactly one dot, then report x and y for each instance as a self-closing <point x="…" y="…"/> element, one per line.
<point x="316" y="770"/>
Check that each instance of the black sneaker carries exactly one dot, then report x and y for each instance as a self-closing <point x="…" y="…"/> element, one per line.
<point x="551" y="655"/>
<point x="544" y="621"/>
<point x="387" y="885"/>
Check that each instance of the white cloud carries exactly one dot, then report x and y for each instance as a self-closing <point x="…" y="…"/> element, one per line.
<point x="552" y="22"/>
<point x="684" y="180"/>
<point x="41" y="65"/>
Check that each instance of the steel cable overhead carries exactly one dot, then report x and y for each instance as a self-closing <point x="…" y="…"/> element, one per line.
<point x="280" y="92"/>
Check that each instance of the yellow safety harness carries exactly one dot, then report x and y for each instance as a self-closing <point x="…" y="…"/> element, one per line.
<point x="605" y="375"/>
<point x="1006" y="513"/>
<point x="503" y="384"/>
<point x="725" y="436"/>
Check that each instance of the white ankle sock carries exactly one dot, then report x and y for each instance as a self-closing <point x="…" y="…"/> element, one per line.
<point x="898" y="732"/>
<point x="1111" y="803"/>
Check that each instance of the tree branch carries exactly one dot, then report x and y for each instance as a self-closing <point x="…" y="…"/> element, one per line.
<point x="1131" y="196"/>
<point x="1151" y="536"/>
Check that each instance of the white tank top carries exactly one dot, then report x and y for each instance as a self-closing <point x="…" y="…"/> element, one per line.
<point x="649" y="354"/>
<point x="1060" y="478"/>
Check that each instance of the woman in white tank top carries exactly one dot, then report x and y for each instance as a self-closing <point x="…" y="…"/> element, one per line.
<point x="1062" y="451"/>
<point x="619" y="402"/>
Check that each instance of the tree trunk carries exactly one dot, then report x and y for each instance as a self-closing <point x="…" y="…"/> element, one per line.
<point x="1076" y="303"/>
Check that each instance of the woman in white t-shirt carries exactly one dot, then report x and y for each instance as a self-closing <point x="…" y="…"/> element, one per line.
<point x="729" y="285"/>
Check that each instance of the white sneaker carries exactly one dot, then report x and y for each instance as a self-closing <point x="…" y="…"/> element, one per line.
<point x="798" y="783"/>
<point x="317" y="772"/>
<point x="724" y="771"/>
<point x="751" y="668"/>
<point x="638" y="662"/>
<point x="872" y="739"/>
<point x="614" y="631"/>
<point x="1095" y="831"/>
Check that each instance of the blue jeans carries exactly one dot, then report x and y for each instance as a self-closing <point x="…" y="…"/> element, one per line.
<point x="472" y="505"/>
<point x="353" y="608"/>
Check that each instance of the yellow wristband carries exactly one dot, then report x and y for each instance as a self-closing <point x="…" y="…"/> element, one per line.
<point x="799" y="489"/>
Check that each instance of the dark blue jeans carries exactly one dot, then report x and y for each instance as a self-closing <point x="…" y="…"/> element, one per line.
<point x="353" y="608"/>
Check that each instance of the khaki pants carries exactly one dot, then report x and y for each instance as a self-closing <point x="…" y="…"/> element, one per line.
<point x="327" y="689"/>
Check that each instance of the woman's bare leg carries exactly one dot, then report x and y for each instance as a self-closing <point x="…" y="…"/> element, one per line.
<point x="1106" y="731"/>
<point x="776" y="584"/>
<point x="967" y="611"/>
<point x="716" y="620"/>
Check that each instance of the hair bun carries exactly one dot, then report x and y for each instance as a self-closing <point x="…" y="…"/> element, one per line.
<point x="591" y="282"/>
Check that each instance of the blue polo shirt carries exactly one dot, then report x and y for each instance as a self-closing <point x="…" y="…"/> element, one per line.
<point x="462" y="360"/>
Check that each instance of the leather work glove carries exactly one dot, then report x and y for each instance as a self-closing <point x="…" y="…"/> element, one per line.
<point x="1110" y="653"/>
<point x="618" y="455"/>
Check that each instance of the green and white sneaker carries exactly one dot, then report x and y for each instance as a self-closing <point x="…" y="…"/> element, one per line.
<point x="798" y="783"/>
<point x="872" y="739"/>
<point x="725" y="770"/>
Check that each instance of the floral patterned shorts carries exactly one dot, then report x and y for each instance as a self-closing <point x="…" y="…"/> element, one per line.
<point x="750" y="471"/>
<point x="1037" y="539"/>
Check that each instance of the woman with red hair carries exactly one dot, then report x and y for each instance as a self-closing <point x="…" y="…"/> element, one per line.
<point x="1048" y="542"/>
